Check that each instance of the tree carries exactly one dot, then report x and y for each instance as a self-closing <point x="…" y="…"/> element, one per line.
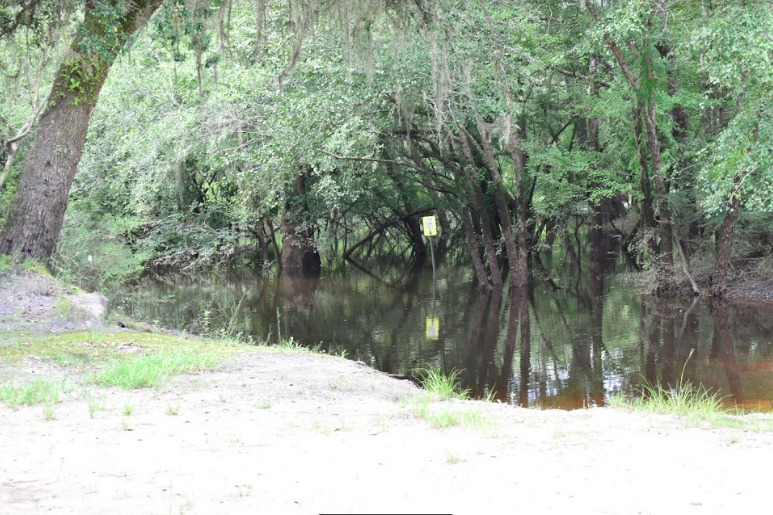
<point x="734" y="47"/>
<point x="37" y="211"/>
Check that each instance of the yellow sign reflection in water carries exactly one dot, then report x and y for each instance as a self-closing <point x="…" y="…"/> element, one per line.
<point x="433" y="328"/>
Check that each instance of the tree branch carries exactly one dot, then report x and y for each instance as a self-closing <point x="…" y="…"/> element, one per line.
<point x="612" y="44"/>
<point x="373" y="160"/>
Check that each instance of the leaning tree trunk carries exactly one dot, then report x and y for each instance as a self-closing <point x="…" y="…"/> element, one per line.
<point x="500" y="196"/>
<point x="37" y="211"/>
<point x="479" y="207"/>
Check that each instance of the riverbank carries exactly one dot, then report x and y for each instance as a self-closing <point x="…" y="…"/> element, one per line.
<point x="287" y="431"/>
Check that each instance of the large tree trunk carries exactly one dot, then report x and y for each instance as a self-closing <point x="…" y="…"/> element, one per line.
<point x="500" y="197"/>
<point x="37" y="211"/>
<point x="517" y="139"/>
<point x="299" y="253"/>
<point x="36" y="214"/>
<point x="666" y="229"/>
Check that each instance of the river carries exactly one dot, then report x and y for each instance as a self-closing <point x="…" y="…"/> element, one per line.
<point x="566" y="344"/>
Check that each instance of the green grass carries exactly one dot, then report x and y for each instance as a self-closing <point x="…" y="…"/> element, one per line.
<point x="694" y="404"/>
<point x="6" y="263"/>
<point x="440" y="416"/>
<point x="85" y="347"/>
<point x="94" y="405"/>
<point x="445" y="386"/>
<point x="32" y="393"/>
<point x="684" y="399"/>
<point x="64" y="306"/>
<point x="48" y="411"/>
<point x="154" y="369"/>
<point x="292" y="345"/>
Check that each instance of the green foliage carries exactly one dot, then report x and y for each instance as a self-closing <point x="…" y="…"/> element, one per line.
<point x="736" y="52"/>
<point x="103" y="33"/>
<point x="202" y="130"/>
<point x="181" y="22"/>
<point x="96" y="254"/>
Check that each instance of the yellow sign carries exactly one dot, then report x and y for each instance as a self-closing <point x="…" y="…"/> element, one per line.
<point x="433" y="328"/>
<point x="430" y="225"/>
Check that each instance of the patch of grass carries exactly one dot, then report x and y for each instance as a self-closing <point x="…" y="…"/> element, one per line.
<point x="35" y="267"/>
<point x="36" y="392"/>
<point x="71" y="358"/>
<point x="290" y="344"/>
<point x="64" y="306"/>
<point x="439" y="416"/>
<point x="6" y="263"/>
<point x="445" y="386"/>
<point x="48" y="411"/>
<point x="336" y="383"/>
<point x="153" y="369"/>
<point x="683" y="399"/>
<point x="128" y="409"/>
<point x="453" y="459"/>
<point x="173" y="410"/>
<point x="95" y="405"/>
<point x="97" y="346"/>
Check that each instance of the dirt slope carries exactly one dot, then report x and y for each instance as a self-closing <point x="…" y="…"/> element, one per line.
<point x="306" y="434"/>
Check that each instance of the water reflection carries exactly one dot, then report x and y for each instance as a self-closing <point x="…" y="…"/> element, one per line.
<point x="568" y="342"/>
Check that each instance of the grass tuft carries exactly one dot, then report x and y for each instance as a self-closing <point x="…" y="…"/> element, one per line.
<point x="291" y="344"/>
<point x="152" y="370"/>
<point x="683" y="399"/>
<point x="445" y="386"/>
<point x="440" y="416"/>
<point x="36" y="392"/>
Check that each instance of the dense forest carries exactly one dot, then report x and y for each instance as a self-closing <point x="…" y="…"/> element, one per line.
<point x="194" y="135"/>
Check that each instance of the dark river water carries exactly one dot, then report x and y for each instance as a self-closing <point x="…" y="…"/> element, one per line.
<point x="567" y="344"/>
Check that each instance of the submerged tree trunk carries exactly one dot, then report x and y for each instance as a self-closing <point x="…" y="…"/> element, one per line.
<point x="479" y="210"/>
<point x="477" y="262"/>
<point x="299" y="253"/>
<point x="37" y="211"/>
